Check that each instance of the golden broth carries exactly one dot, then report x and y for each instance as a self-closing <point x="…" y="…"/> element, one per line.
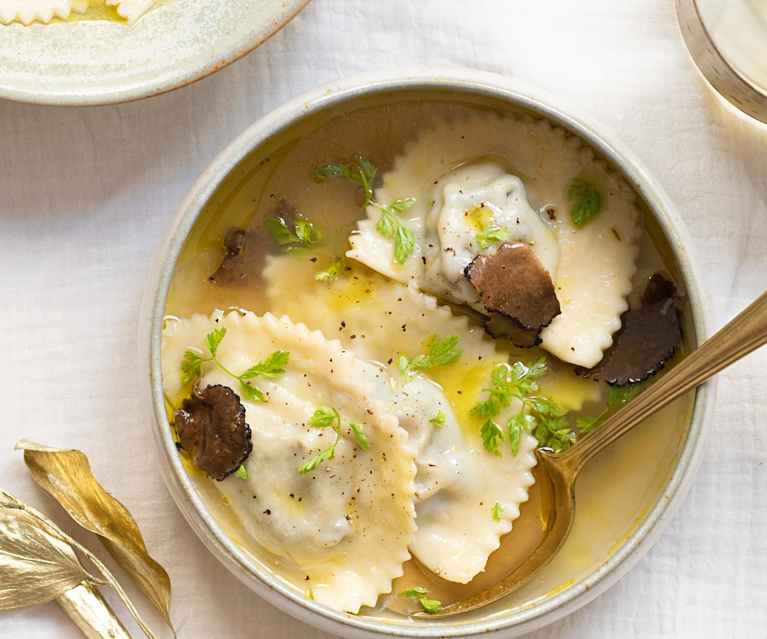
<point x="614" y="493"/>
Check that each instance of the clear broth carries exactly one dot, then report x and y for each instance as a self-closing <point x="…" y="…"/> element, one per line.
<point x="614" y="493"/>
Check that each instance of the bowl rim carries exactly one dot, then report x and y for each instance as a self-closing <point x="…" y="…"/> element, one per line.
<point x="160" y="84"/>
<point x="189" y="502"/>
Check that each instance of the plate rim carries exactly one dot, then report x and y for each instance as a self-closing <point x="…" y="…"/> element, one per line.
<point x="157" y="86"/>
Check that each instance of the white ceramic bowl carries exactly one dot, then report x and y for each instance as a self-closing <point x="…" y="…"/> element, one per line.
<point x="497" y="621"/>
<point x="102" y="62"/>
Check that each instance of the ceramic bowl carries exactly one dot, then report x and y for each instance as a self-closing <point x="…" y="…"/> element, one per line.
<point x="101" y="62"/>
<point x="564" y="585"/>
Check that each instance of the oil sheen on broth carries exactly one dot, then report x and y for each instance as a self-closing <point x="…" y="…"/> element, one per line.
<point x="616" y="490"/>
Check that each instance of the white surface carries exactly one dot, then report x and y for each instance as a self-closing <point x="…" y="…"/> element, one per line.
<point x="87" y="193"/>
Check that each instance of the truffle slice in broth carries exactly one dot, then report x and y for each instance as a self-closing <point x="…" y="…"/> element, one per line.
<point x="333" y="495"/>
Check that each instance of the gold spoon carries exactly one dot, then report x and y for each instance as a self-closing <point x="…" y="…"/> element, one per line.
<point x="556" y="473"/>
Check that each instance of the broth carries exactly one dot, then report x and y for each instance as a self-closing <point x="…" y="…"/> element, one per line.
<point x="614" y="493"/>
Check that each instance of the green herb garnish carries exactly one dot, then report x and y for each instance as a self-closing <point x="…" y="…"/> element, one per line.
<point x="586" y="424"/>
<point x="303" y="234"/>
<point x="241" y="472"/>
<point x="362" y="172"/>
<point x="273" y="366"/>
<point x="392" y="228"/>
<point x="538" y="415"/>
<point x="585" y="201"/>
<point x="327" y="417"/>
<point x="491" y="436"/>
<point x="440" y="351"/>
<point x="430" y="606"/>
<point x="332" y="272"/>
<point x="490" y="236"/>
<point x="420" y="594"/>
<point x="617" y="397"/>
<point x="438" y="421"/>
<point x="497" y="512"/>
<point x="359" y="435"/>
<point x="324" y="455"/>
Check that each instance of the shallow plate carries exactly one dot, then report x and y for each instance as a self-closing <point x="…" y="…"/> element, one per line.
<point x="102" y="62"/>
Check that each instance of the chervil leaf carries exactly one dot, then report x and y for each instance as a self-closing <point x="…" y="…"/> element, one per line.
<point x="491" y="434"/>
<point x="387" y="224"/>
<point x="430" y="606"/>
<point x="402" y="204"/>
<point x="314" y="462"/>
<point x="280" y="231"/>
<point x="325" y="417"/>
<point x="332" y="170"/>
<point x="359" y="435"/>
<point x="332" y="272"/>
<point x="539" y="415"/>
<point x="241" y="472"/>
<point x="404" y="243"/>
<point x="440" y="351"/>
<point x="191" y="367"/>
<point x="516" y="428"/>
<point x="306" y="232"/>
<point x="360" y="171"/>
<point x="271" y="367"/>
<point x="486" y="408"/>
<point x="252" y="393"/>
<point x="214" y="339"/>
<point x="497" y="512"/>
<point x="394" y="229"/>
<point x="585" y="201"/>
<point x="438" y="421"/>
<point x="490" y="236"/>
<point x="618" y="396"/>
<point x="545" y="407"/>
<point x="586" y="424"/>
<point x="366" y="167"/>
<point x="414" y="593"/>
<point x="538" y="368"/>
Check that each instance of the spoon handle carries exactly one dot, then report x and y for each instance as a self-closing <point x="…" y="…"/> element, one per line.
<point x="744" y="334"/>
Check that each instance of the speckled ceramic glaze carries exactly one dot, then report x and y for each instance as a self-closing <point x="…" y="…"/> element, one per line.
<point x="100" y="62"/>
<point x="499" y="620"/>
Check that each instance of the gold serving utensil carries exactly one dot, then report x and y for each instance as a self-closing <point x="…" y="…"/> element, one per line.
<point x="556" y="474"/>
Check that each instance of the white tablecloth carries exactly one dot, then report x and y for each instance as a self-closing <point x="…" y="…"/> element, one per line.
<point x="86" y="194"/>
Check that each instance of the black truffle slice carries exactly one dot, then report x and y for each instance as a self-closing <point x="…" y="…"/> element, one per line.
<point x="243" y="256"/>
<point x="647" y="339"/>
<point x="499" y="326"/>
<point x="514" y="283"/>
<point x="211" y="428"/>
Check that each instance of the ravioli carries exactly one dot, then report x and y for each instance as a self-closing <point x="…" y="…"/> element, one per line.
<point x="505" y="164"/>
<point x="458" y="483"/>
<point x="346" y="523"/>
<point x="29" y="11"/>
<point x="131" y="9"/>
